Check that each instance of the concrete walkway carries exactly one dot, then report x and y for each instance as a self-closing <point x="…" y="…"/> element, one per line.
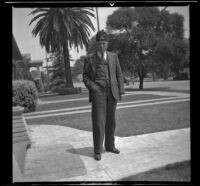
<point x="138" y="153"/>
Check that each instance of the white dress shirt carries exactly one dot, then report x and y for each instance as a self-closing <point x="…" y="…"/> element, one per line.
<point x="104" y="55"/>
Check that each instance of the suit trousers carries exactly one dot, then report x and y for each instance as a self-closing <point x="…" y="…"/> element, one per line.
<point x="103" y="118"/>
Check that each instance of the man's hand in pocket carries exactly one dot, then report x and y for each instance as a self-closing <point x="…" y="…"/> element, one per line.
<point x="96" y="88"/>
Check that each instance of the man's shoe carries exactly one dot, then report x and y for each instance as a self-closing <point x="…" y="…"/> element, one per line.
<point x="97" y="157"/>
<point x="113" y="150"/>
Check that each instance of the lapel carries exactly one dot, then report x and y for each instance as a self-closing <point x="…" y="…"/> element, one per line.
<point x="110" y="61"/>
<point x="93" y="62"/>
<point x="96" y="60"/>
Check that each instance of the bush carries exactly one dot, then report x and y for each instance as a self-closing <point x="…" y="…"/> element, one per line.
<point x="66" y="91"/>
<point x="25" y="94"/>
<point x="181" y="76"/>
<point x="58" y="86"/>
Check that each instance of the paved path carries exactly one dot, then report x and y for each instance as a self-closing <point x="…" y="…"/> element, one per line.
<point x="138" y="153"/>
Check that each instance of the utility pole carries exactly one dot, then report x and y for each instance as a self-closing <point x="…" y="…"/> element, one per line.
<point x="164" y="9"/>
<point x="97" y="18"/>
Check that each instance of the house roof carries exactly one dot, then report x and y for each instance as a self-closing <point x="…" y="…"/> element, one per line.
<point x="16" y="54"/>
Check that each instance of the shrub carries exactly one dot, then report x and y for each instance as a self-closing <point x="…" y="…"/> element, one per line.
<point x="66" y="91"/>
<point x="181" y="76"/>
<point x="25" y="94"/>
<point x="57" y="85"/>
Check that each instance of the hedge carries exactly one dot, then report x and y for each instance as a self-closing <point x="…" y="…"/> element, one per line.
<point x="25" y="94"/>
<point x="66" y="91"/>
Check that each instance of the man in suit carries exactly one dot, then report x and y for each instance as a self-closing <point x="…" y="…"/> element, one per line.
<point x="103" y="77"/>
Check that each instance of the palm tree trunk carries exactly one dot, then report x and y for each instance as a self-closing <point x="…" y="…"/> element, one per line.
<point x="68" y="76"/>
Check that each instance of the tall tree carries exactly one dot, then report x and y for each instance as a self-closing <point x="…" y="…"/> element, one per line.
<point x="138" y="24"/>
<point x="121" y="19"/>
<point x="180" y="53"/>
<point x="163" y="56"/>
<point x="145" y="28"/>
<point x="57" y="71"/>
<point x="57" y="79"/>
<point x="78" y="66"/>
<point x="61" y="28"/>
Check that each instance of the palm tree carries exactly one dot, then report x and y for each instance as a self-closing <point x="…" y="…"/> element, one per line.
<point x="61" y="28"/>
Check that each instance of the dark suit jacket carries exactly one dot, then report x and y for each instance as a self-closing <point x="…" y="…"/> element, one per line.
<point x="116" y="76"/>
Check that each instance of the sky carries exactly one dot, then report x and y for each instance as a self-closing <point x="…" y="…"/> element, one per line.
<point x="29" y="44"/>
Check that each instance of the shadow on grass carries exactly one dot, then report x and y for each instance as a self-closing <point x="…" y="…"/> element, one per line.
<point x="85" y="151"/>
<point x="180" y="171"/>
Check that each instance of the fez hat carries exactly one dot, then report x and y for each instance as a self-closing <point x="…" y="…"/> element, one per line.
<point x="101" y="36"/>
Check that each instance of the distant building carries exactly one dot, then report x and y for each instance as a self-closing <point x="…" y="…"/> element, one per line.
<point x="17" y="61"/>
<point x="22" y="64"/>
<point x="35" y="73"/>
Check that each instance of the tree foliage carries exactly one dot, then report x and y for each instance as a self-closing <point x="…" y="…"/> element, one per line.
<point x="61" y="28"/>
<point x="147" y="39"/>
<point x="121" y="19"/>
<point x="57" y="79"/>
<point x="78" y="66"/>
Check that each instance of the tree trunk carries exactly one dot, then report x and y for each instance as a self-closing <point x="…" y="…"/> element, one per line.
<point x="68" y="76"/>
<point x="141" y="83"/>
<point x="141" y="74"/>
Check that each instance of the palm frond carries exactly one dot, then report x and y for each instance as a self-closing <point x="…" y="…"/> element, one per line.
<point x="37" y="17"/>
<point x="36" y="10"/>
<point x="55" y="25"/>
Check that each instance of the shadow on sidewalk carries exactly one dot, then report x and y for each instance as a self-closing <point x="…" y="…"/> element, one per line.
<point x="85" y="151"/>
<point x="52" y="162"/>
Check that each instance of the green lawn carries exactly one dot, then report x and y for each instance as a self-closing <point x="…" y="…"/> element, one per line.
<point x="62" y="105"/>
<point x="160" y="89"/>
<point x="130" y="121"/>
<point x="61" y="97"/>
<point x="178" y="172"/>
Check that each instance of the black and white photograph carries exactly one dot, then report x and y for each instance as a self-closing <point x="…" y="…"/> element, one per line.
<point x="101" y="93"/>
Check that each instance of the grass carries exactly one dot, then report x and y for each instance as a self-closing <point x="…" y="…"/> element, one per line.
<point x="152" y="118"/>
<point x="130" y="121"/>
<point x="61" y="105"/>
<point x="61" y="97"/>
<point x="160" y="89"/>
<point x="178" y="172"/>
